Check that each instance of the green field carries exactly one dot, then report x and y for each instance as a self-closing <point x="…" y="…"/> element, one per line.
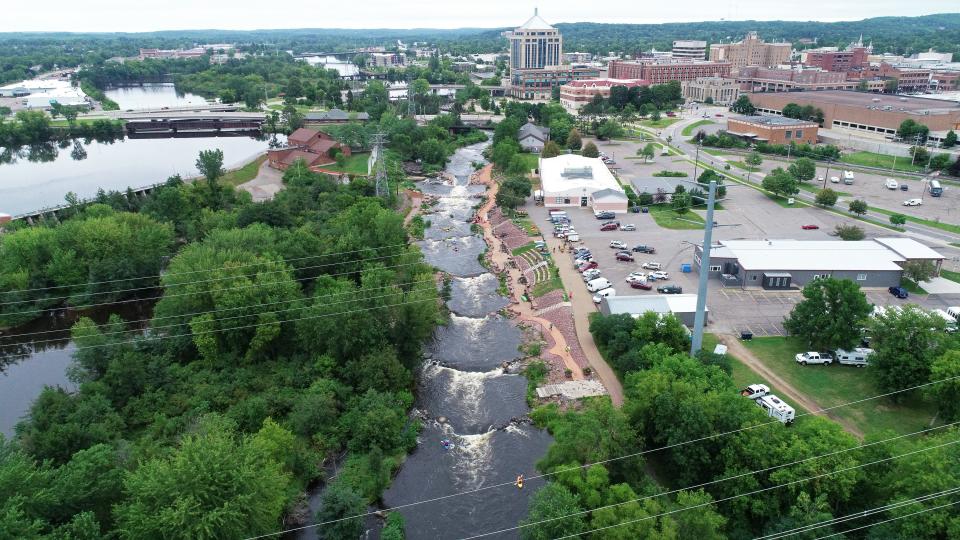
<point x="911" y="286"/>
<point x="688" y="131"/>
<point x="715" y="151"/>
<point x="782" y="201"/>
<point x="668" y="219"/>
<point x="835" y="385"/>
<point x="872" y="159"/>
<point x="744" y="166"/>
<point x="530" y="161"/>
<point x="243" y="174"/>
<point x="663" y="122"/>
<point x="951" y="275"/>
<point x="356" y="164"/>
<point x="949" y="227"/>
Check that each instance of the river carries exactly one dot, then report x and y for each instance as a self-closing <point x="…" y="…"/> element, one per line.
<point x="151" y="96"/>
<point x="40" y="176"/>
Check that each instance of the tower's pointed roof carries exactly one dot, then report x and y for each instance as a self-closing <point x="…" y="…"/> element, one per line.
<point x="536" y="23"/>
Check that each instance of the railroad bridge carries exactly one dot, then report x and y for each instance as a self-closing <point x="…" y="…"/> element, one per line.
<point x="177" y="122"/>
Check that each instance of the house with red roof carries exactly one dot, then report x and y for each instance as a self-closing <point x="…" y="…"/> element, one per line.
<point x="315" y="148"/>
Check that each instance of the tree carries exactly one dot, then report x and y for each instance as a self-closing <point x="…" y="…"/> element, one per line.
<point x="754" y="159"/>
<point x="743" y="106"/>
<point x="342" y="501"/>
<point x="826" y="198"/>
<point x="792" y="110"/>
<point x="292" y="117"/>
<point x="905" y="344"/>
<point x="939" y="162"/>
<point x="919" y="270"/>
<point x="609" y="129"/>
<point x="655" y="115"/>
<point x="574" y="141"/>
<point x="950" y="140"/>
<point x="850" y="233"/>
<point x="680" y="202"/>
<point x="214" y="485"/>
<point x="210" y="164"/>
<point x="393" y="528"/>
<point x="590" y="150"/>
<point x="803" y="169"/>
<point x="647" y="152"/>
<point x="898" y="219"/>
<point x="551" y="149"/>
<point x="550" y="502"/>
<point x="830" y="315"/>
<point x="780" y="182"/>
<point x="946" y="394"/>
<point x="858" y="207"/>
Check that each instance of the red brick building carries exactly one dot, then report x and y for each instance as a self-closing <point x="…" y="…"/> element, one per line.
<point x="315" y="148"/>
<point x="909" y="79"/>
<point x="852" y="59"/>
<point x="761" y="79"/>
<point x="576" y="94"/>
<point x="659" y="71"/>
<point x="773" y="129"/>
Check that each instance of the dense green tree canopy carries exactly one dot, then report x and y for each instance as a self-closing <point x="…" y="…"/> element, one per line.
<point x="830" y="315"/>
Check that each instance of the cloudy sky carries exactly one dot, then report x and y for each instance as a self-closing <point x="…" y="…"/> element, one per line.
<point x="131" y="16"/>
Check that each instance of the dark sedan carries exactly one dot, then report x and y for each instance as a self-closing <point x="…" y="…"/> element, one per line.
<point x="641" y="285"/>
<point x="899" y="292"/>
<point x="644" y="249"/>
<point x="624" y="256"/>
<point x="670" y="289"/>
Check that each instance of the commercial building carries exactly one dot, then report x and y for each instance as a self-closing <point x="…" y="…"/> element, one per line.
<point x="577" y="57"/>
<point x="909" y="78"/>
<point x="334" y="116"/>
<point x="536" y="61"/>
<point x="387" y="60"/>
<point x="684" y="306"/>
<point x="661" y="71"/>
<point x="876" y="113"/>
<point x="576" y="94"/>
<point x="751" y="51"/>
<point x="719" y="90"/>
<point x="773" y="129"/>
<point x="762" y="79"/>
<point x="853" y="58"/>
<point x="315" y="148"/>
<point x="42" y="93"/>
<point x="532" y="137"/>
<point x="786" y="264"/>
<point x="573" y="180"/>
<point x="172" y="53"/>
<point x="689" y="48"/>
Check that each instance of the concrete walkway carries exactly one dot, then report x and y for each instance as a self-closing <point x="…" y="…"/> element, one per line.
<point x="265" y="185"/>
<point x="941" y="285"/>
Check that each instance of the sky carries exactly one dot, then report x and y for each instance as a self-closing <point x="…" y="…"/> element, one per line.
<point x="131" y="16"/>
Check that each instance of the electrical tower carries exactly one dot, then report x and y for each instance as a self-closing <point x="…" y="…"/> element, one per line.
<point x="380" y="165"/>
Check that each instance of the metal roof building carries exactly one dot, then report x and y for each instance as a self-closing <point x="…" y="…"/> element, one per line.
<point x="684" y="306"/>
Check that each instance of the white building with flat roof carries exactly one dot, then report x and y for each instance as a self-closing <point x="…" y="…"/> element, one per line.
<point x="573" y="180"/>
<point x="684" y="306"/>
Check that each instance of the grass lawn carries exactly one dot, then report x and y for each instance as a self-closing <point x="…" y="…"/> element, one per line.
<point x="522" y="249"/>
<point x="668" y="219"/>
<point x="744" y="166"/>
<point x="553" y="284"/>
<point x="835" y="384"/>
<point x="62" y="122"/>
<point x="911" y="286"/>
<point x="949" y="227"/>
<point x="663" y="122"/>
<point x="782" y="201"/>
<point x="816" y="188"/>
<point x="356" y="164"/>
<point x="530" y="161"/>
<point x="688" y="131"/>
<point x="715" y="151"/>
<point x="951" y="275"/>
<point x="244" y="174"/>
<point x="527" y="225"/>
<point x="872" y="159"/>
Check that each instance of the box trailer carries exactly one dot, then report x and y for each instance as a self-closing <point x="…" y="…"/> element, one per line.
<point x="859" y="357"/>
<point x="776" y="408"/>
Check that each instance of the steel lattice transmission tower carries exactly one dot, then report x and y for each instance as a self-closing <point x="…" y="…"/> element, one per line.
<point x="380" y="165"/>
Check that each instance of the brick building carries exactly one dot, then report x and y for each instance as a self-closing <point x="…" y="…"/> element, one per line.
<point x="876" y="113"/>
<point x="661" y="71"/>
<point x="539" y="83"/>
<point x="751" y="51"/>
<point x="720" y="91"/>
<point x="762" y="79"/>
<point x="773" y="129"/>
<point x="909" y="79"/>
<point x="315" y="148"/>
<point x="576" y="94"/>
<point x="853" y="58"/>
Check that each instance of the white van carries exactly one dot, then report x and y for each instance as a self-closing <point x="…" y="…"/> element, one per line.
<point x="605" y="293"/>
<point x="848" y="177"/>
<point x="776" y="408"/>
<point x="892" y="184"/>
<point x="598" y="284"/>
<point x="859" y="357"/>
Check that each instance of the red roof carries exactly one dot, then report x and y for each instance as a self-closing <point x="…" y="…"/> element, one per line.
<point x="306" y="137"/>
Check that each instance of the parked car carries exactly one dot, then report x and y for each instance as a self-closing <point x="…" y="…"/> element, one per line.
<point x="651" y="265"/>
<point x="813" y="357"/>
<point x="912" y="202"/>
<point x="642" y="248"/>
<point x="588" y="266"/>
<point x="659" y="275"/>
<point x="591" y="275"/>
<point x="625" y="257"/>
<point x="598" y="284"/>
<point x="605" y="293"/>
<point x="641" y="285"/>
<point x="604" y="215"/>
<point x="904" y="187"/>
<point x="810" y="227"/>
<point x="899" y="292"/>
<point x="609" y="227"/>
<point x="617" y="244"/>
<point x="670" y="289"/>
<point x="834" y="179"/>
<point x="891" y="184"/>
<point x="636" y="276"/>
<point x="628" y="227"/>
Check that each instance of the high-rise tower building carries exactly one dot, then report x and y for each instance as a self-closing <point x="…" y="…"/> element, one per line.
<point x="535" y="45"/>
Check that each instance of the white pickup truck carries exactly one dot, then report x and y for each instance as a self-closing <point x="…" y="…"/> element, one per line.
<point x="755" y="391"/>
<point x="814" y="358"/>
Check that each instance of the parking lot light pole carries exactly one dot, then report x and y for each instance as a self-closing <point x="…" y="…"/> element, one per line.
<point x="700" y="318"/>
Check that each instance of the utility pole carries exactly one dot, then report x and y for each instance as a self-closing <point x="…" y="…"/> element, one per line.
<point x="696" y="161"/>
<point x="697" y="342"/>
<point x="825" y="175"/>
<point x="382" y="188"/>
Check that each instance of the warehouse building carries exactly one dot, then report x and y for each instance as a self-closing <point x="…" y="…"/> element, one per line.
<point x="684" y="306"/>
<point x="790" y="264"/>
<point x="572" y="180"/>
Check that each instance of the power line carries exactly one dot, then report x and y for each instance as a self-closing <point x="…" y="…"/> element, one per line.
<point x="725" y="479"/>
<point x="860" y="515"/>
<point x="600" y="462"/>
<point x="168" y="274"/>
<point x="756" y="491"/>
<point x="889" y="520"/>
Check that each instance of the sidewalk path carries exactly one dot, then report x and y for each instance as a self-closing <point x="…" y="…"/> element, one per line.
<point x="736" y="348"/>
<point x="265" y="185"/>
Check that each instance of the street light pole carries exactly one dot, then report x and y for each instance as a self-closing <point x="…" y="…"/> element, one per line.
<point x="697" y="342"/>
<point x="826" y="174"/>
<point x="696" y="161"/>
